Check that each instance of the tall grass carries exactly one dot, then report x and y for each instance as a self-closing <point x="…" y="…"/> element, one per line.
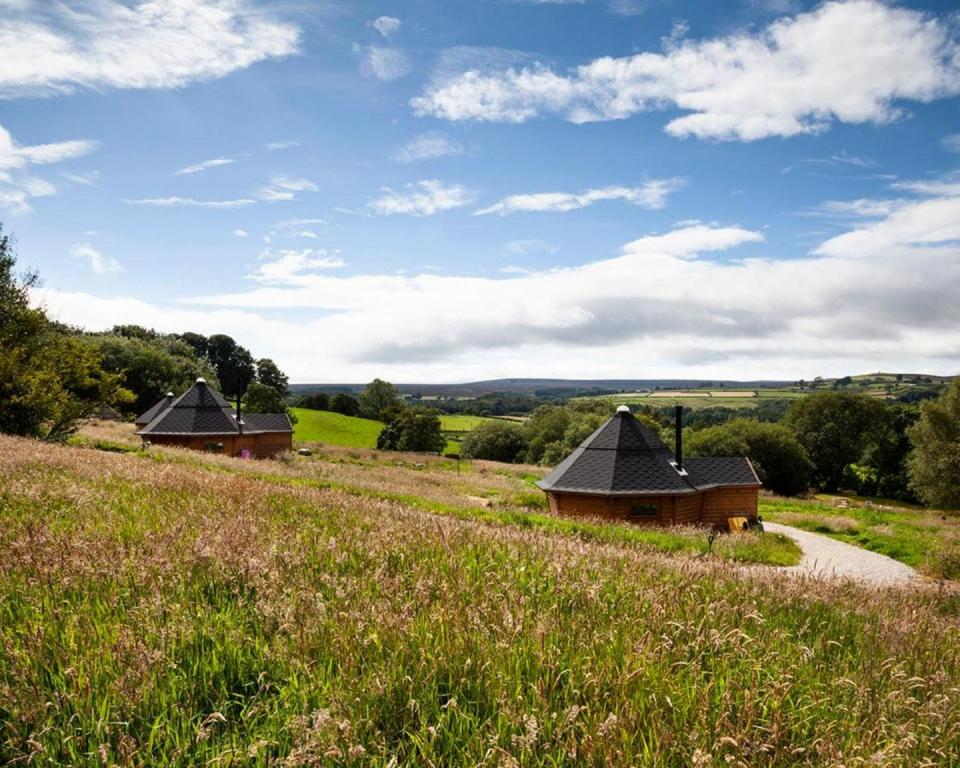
<point x="154" y="612"/>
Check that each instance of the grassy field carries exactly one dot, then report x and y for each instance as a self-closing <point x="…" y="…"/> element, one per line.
<point x="335" y="429"/>
<point x="180" y="609"/>
<point x="703" y="398"/>
<point x="928" y="540"/>
<point x="880" y="385"/>
<point x="456" y="426"/>
<point x="457" y="422"/>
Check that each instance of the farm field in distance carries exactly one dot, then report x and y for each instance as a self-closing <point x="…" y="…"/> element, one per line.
<point x="880" y="385"/>
<point x="702" y="398"/>
<point x="344" y="608"/>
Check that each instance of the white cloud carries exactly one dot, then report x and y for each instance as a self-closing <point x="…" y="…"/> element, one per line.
<point x="530" y="246"/>
<point x="951" y="142"/>
<point x="88" y="179"/>
<point x="386" y="25"/>
<point x="285" y="188"/>
<point x="57" y="47"/>
<point x="617" y="7"/>
<point x="383" y="63"/>
<point x="424" y="198"/>
<point x="98" y="262"/>
<point x="241" y="233"/>
<point x="273" y="146"/>
<point x="849" y="61"/>
<point x="711" y="301"/>
<point x="428" y="146"/>
<point x="277" y="189"/>
<point x="202" y="166"/>
<point x="652" y="195"/>
<point x="17" y="185"/>
<point x="293" y="267"/>
<point x="189" y="202"/>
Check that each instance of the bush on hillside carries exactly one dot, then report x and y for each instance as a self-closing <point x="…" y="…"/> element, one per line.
<point x="318" y="401"/>
<point x="346" y="404"/>
<point x="495" y="441"/>
<point x="415" y="429"/>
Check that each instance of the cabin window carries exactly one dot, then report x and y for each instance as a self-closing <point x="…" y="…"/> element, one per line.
<point x="213" y="447"/>
<point x="644" y="510"/>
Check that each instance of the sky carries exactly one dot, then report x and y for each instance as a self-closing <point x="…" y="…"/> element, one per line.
<point x="455" y="190"/>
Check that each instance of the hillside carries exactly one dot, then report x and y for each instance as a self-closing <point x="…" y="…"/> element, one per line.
<point x="354" y="432"/>
<point x="178" y="608"/>
<point x="335" y="429"/>
<point x="880" y="384"/>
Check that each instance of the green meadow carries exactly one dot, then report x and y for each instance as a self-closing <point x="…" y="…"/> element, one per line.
<point x="166" y="608"/>
<point x="335" y="429"/>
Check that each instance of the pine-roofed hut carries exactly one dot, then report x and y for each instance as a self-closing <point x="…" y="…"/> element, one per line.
<point x="202" y="419"/>
<point x="625" y="471"/>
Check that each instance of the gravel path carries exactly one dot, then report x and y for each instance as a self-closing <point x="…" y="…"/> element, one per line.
<point x="826" y="557"/>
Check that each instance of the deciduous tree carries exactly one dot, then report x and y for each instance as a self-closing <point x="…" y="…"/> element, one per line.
<point x="377" y="398"/>
<point x="934" y="463"/>
<point x="835" y="428"/>
<point x="49" y="378"/>
<point x="777" y="456"/>
<point x="269" y="374"/>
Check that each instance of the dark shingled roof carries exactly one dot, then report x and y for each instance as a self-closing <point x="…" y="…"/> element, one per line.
<point x="155" y="410"/>
<point x="625" y="458"/>
<point x="266" y="422"/>
<point x="201" y="410"/>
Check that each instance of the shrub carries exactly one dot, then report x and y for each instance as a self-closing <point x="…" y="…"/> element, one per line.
<point x="317" y="401"/>
<point x="346" y="404"/>
<point x="413" y="429"/>
<point x="495" y="441"/>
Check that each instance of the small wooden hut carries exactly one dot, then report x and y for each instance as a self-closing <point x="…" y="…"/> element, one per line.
<point x="202" y="419"/>
<point x="625" y="471"/>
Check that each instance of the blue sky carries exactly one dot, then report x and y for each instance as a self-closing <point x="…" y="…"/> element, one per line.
<point x="439" y="191"/>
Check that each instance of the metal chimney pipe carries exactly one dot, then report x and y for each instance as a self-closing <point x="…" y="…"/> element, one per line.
<point x="679" y="436"/>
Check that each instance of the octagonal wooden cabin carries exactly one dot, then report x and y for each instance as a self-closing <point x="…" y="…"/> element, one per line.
<point x="625" y="471"/>
<point x="202" y="419"/>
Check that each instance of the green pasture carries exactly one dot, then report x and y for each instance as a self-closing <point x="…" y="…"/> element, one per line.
<point x="335" y="429"/>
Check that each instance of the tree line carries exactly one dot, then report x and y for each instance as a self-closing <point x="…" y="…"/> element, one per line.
<point x="828" y="440"/>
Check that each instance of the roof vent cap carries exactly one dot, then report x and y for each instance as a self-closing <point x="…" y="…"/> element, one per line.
<point x="623" y="409"/>
<point x="201" y="380"/>
<point x="169" y="394"/>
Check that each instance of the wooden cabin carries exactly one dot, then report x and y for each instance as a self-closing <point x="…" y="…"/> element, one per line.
<point x="202" y="419"/>
<point x="624" y="471"/>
